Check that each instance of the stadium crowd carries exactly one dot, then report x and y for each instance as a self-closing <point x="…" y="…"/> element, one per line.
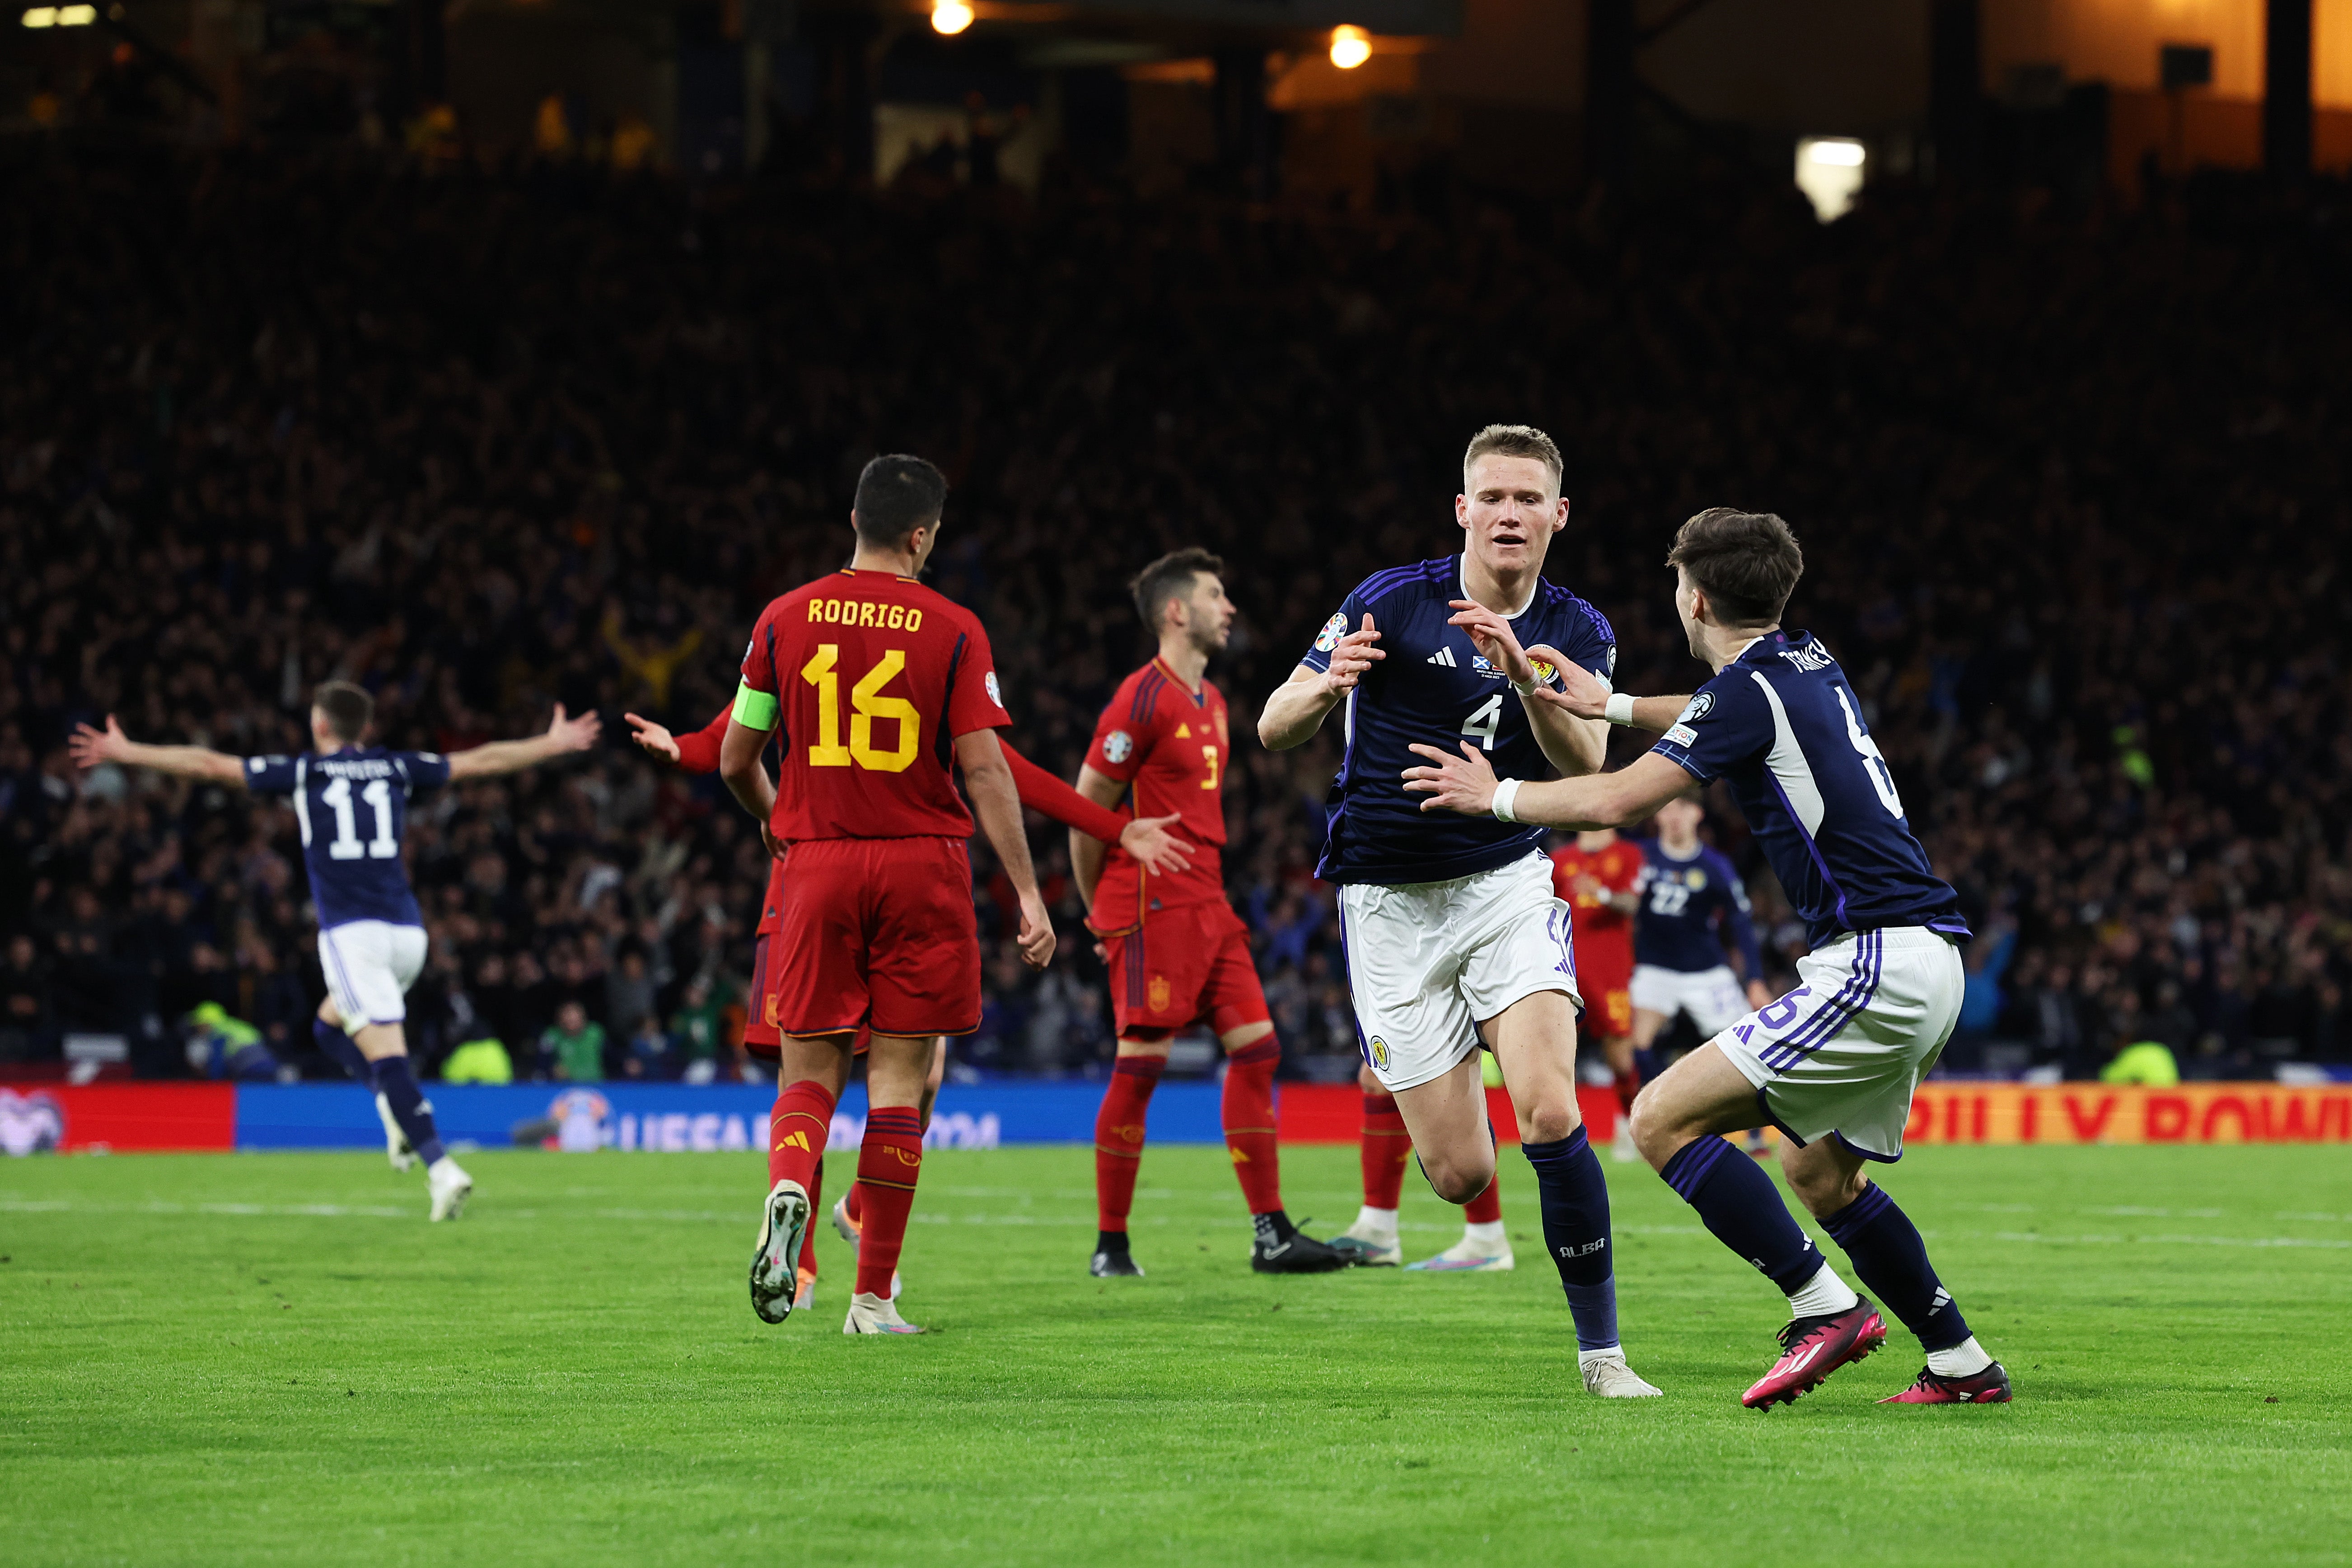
<point x="2071" y="486"/>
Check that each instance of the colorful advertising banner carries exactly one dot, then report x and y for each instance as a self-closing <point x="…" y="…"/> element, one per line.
<point x="681" y="1117"/>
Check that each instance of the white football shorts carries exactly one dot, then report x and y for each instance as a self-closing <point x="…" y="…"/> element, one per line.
<point x="369" y="965"/>
<point x="1429" y="962"/>
<point x="1842" y="1053"/>
<point x="1711" y="996"/>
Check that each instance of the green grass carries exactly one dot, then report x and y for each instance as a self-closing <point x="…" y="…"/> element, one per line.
<point x="273" y="1359"/>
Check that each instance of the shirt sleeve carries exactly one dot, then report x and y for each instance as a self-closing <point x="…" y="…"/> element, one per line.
<point x="976" y="702"/>
<point x="698" y="752"/>
<point x="1347" y="619"/>
<point x="1726" y="722"/>
<point x="1590" y="641"/>
<point x="1041" y="791"/>
<point x="1121" y="741"/>
<point x="270" y="775"/>
<point x="422" y="770"/>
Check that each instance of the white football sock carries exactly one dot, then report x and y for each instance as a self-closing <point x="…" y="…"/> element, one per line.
<point x="1606" y="1352"/>
<point x="1963" y="1360"/>
<point x="1490" y="1235"/>
<point x="1383" y="1221"/>
<point x="1822" y="1295"/>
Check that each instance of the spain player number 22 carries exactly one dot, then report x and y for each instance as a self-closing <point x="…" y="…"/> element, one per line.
<point x="866" y="704"/>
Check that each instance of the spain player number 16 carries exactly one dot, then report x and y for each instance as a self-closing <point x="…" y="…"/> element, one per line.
<point x="866" y="704"/>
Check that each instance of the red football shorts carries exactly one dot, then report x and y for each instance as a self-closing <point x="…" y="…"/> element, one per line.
<point x="761" y="1040"/>
<point x="1185" y="964"/>
<point x="878" y="932"/>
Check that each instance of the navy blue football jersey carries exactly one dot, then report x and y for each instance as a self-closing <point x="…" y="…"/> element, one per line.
<point x="1688" y="908"/>
<point x="353" y="806"/>
<point x="1782" y="724"/>
<point x="1434" y="688"/>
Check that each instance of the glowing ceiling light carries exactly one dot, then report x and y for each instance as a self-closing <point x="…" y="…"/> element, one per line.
<point x="1830" y="172"/>
<point x="950" y="17"/>
<point x="76" y="15"/>
<point x="1351" y="46"/>
<point x="40" y="16"/>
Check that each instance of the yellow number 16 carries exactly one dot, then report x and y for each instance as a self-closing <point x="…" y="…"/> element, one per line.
<point x="866" y="704"/>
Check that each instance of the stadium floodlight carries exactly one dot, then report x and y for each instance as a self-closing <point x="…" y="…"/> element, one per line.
<point x="1830" y="171"/>
<point x="950" y="17"/>
<point x="76" y="15"/>
<point x="1351" y="46"/>
<point x="40" y="16"/>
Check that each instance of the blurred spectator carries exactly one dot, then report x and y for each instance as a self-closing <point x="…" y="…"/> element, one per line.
<point x="27" y="1030"/>
<point x="649" y="1053"/>
<point x="572" y="1048"/>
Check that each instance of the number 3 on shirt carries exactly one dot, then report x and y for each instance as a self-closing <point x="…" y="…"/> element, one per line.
<point x="866" y="704"/>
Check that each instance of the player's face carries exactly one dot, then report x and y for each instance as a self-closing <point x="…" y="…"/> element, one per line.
<point x="1208" y="613"/>
<point x="1509" y="508"/>
<point x="1678" y="821"/>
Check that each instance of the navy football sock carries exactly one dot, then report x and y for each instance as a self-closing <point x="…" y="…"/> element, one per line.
<point x="1575" y="1198"/>
<point x="1893" y="1261"/>
<point x="396" y="1081"/>
<point x="1743" y="1208"/>
<point x="338" y="1049"/>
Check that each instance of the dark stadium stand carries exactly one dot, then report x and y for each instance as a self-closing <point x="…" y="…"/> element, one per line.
<point x="2072" y="486"/>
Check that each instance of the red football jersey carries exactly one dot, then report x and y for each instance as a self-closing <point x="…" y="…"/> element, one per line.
<point x="1167" y="744"/>
<point x="874" y="676"/>
<point x="1603" y="936"/>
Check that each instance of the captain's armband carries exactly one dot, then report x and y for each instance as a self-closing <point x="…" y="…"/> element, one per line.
<point x="754" y="710"/>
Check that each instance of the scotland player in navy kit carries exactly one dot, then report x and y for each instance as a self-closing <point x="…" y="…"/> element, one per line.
<point x="1688" y="903"/>
<point x="350" y="801"/>
<point x="1833" y="1063"/>
<point x="1453" y="937"/>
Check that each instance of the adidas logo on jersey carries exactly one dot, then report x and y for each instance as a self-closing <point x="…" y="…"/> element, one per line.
<point x="1444" y="656"/>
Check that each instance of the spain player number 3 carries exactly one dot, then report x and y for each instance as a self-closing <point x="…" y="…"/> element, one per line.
<point x="866" y="704"/>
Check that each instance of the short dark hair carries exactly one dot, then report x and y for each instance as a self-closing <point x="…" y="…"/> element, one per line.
<point x="1515" y="441"/>
<point x="1746" y="562"/>
<point x="349" y="709"/>
<point x="897" y="494"/>
<point x="1170" y="577"/>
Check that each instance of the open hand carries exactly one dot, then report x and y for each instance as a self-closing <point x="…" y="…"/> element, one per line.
<point x="1465" y="783"/>
<point x="574" y="734"/>
<point x="1354" y="655"/>
<point x="1159" y="851"/>
<point x="653" y="738"/>
<point x="1580" y="692"/>
<point x="89" y="747"/>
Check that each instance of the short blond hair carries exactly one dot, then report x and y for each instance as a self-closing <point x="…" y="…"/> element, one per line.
<point x="1514" y="441"/>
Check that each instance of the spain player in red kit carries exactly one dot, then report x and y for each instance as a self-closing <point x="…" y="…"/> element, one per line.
<point x="880" y="686"/>
<point x="1595" y="874"/>
<point x="1149" y="839"/>
<point x="1176" y="950"/>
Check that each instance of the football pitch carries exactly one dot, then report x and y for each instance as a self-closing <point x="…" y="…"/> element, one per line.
<point x="273" y="1359"/>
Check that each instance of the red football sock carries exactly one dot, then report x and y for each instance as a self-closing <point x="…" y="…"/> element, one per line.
<point x="797" y="1129"/>
<point x="1119" y="1137"/>
<point x="816" y="1207"/>
<point x="1247" y="1110"/>
<point x="888" y="1162"/>
<point x="1487" y="1206"/>
<point x="856" y="1206"/>
<point x="1386" y="1147"/>
<point x="1629" y="1084"/>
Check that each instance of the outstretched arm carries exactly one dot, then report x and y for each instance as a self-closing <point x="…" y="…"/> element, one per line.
<point x="1092" y="823"/>
<point x="91" y="747"/>
<point x="1583" y="695"/>
<point x="696" y="752"/>
<point x="1467" y="785"/>
<point x="563" y="736"/>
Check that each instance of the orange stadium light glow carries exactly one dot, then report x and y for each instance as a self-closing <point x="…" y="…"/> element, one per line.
<point x="950" y="17"/>
<point x="1351" y="46"/>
